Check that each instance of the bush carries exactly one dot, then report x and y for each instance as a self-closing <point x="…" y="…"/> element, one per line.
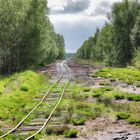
<point x="133" y="97"/>
<point x="72" y="133"/>
<point x="96" y="95"/>
<point x="122" y="115"/>
<point x="87" y="90"/>
<point x="80" y="121"/>
<point x="112" y="80"/>
<point x="134" y="120"/>
<point x="119" y="96"/>
<point x="94" y="76"/>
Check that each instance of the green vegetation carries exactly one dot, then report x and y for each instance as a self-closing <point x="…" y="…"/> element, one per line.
<point x="80" y="105"/>
<point x="127" y="75"/>
<point x="78" y="121"/>
<point x="27" y="37"/>
<point x="134" y="120"/>
<point x="117" y="43"/>
<point x="57" y="130"/>
<point x="72" y="133"/>
<point x="17" y="93"/>
<point x="122" y="115"/>
<point x="133" y="97"/>
<point x="86" y="89"/>
<point x="119" y="96"/>
<point x="104" y="83"/>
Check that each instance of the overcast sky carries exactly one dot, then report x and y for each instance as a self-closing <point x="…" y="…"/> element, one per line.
<point x="77" y="20"/>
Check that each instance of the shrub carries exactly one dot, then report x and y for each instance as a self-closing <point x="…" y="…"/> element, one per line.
<point x="72" y="133"/>
<point x="80" y="121"/>
<point x="134" y="120"/>
<point x="87" y="90"/>
<point x="112" y="80"/>
<point x="119" y="96"/>
<point x="122" y="115"/>
<point x="94" y="76"/>
<point x="96" y="95"/>
<point x="133" y="97"/>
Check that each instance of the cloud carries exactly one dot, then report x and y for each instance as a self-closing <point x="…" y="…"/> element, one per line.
<point x="73" y="6"/>
<point x="102" y="8"/>
<point x="77" y="20"/>
<point x="76" y="33"/>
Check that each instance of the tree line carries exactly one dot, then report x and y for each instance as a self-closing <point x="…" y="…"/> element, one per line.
<point x="27" y="37"/>
<point x="118" y="42"/>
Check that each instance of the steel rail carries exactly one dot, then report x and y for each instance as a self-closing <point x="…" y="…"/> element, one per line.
<point x="44" y="97"/>
<point x="56" y="106"/>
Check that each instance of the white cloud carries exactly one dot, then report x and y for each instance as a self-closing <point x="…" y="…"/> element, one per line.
<point x="81" y="23"/>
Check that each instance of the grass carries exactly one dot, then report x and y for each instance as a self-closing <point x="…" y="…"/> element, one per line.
<point x="78" y="121"/>
<point x="57" y="130"/>
<point x="89" y="62"/>
<point x="72" y="133"/>
<point x="80" y="103"/>
<point x="119" y="96"/>
<point x="17" y="93"/>
<point x="122" y="115"/>
<point x="104" y="83"/>
<point x="127" y="75"/>
<point x="135" y="120"/>
<point x="133" y="97"/>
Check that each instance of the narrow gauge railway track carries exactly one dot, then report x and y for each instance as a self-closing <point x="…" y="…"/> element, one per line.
<point x="16" y="128"/>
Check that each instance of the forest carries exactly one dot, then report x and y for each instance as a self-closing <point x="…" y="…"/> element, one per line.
<point x="27" y="37"/>
<point x="118" y="42"/>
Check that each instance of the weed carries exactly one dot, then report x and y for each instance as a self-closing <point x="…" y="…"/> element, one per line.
<point x="138" y="84"/>
<point x="94" y="76"/>
<point x="119" y="96"/>
<point x="107" y="88"/>
<point x="112" y="80"/>
<point x="133" y="97"/>
<point x="72" y="133"/>
<point x="106" y="100"/>
<point x="104" y="83"/>
<point x="122" y="115"/>
<point x="127" y="75"/>
<point x="134" y="120"/>
<point x="57" y="130"/>
<point x="80" y="121"/>
<point x="96" y="95"/>
<point x="86" y="89"/>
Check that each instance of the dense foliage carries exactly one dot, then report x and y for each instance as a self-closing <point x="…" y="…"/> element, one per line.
<point x="118" y="42"/>
<point x="27" y="37"/>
